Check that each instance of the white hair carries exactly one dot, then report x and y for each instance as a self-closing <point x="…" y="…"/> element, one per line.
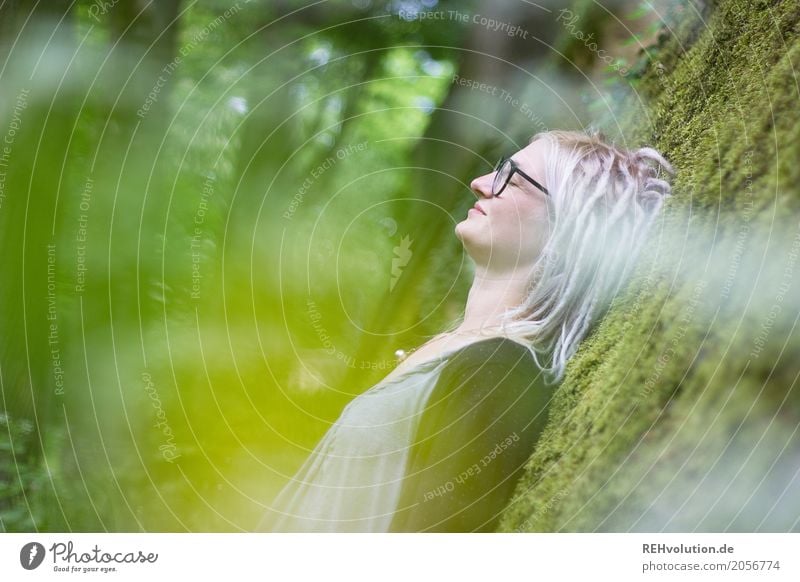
<point x="602" y="202"/>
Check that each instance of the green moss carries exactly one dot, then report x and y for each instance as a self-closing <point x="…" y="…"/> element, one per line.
<point x="666" y="419"/>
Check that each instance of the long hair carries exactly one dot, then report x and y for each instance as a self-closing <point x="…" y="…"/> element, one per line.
<point x="603" y="201"/>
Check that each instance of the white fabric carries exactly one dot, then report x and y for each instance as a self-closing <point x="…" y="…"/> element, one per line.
<point x="351" y="482"/>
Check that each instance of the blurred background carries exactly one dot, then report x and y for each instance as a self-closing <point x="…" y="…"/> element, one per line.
<point x="219" y="221"/>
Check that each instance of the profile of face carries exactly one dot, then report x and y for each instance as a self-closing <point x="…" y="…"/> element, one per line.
<point x="508" y="232"/>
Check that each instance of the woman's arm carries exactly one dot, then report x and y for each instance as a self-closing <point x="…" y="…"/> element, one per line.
<point x="482" y="421"/>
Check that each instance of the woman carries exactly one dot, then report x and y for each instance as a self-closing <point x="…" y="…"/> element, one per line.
<point x="439" y="444"/>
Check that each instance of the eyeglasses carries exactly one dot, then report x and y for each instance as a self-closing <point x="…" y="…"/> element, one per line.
<point x="504" y="170"/>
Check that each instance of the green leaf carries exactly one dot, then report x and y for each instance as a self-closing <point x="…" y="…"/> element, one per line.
<point x="643" y="9"/>
<point x="633" y="39"/>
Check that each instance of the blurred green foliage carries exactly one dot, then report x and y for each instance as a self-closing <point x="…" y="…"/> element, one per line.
<point x="162" y="370"/>
<point x="204" y="210"/>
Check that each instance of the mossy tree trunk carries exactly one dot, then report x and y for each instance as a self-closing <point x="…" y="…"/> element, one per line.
<point x="680" y="411"/>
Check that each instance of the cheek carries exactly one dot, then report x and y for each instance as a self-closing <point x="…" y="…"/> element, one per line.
<point x="519" y="219"/>
<point x="523" y="228"/>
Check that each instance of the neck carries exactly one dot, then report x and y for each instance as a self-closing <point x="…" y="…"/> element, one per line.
<point x="491" y="294"/>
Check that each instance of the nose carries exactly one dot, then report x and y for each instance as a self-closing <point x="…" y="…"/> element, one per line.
<point x="482" y="185"/>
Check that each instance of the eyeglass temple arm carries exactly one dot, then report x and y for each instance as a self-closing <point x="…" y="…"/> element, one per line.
<point x="532" y="181"/>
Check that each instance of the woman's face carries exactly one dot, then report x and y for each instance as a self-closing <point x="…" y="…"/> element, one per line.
<point x="512" y="228"/>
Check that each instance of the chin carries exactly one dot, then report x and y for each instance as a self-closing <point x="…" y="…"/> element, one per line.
<point x="464" y="234"/>
<point x="469" y="239"/>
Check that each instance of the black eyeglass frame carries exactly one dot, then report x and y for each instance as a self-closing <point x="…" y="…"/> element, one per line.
<point x="514" y="170"/>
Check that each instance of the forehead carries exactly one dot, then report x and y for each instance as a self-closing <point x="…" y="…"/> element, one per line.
<point x="531" y="158"/>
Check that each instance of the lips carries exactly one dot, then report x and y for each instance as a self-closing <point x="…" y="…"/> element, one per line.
<point x="479" y="209"/>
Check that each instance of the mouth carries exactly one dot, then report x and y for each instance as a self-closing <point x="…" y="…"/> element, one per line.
<point x="479" y="209"/>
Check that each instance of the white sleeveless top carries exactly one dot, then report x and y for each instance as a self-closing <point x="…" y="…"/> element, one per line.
<point x="352" y="480"/>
